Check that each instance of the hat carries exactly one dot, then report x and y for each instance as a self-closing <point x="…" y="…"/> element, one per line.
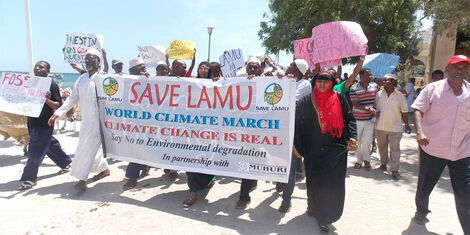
<point x="392" y="76"/>
<point x="136" y="61"/>
<point x="161" y="62"/>
<point x="458" y="58"/>
<point x="94" y="51"/>
<point x="253" y="59"/>
<point x="302" y="65"/>
<point x="116" y="61"/>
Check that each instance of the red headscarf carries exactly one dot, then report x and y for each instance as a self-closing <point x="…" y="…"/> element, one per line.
<point x="329" y="111"/>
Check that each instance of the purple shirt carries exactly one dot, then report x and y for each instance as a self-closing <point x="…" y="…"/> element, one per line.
<point x="446" y="120"/>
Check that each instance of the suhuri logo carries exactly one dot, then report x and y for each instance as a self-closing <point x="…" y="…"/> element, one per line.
<point x="273" y="93"/>
<point x="110" y="86"/>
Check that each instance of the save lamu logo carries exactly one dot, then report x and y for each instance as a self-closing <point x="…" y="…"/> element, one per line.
<point x="273" y="93"/>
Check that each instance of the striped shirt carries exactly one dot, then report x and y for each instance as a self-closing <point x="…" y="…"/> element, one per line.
<point x="365" y="97"/>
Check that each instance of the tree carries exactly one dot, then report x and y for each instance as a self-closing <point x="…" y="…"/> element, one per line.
<point x="448" y="14"/>
<point x="390" y="25"/>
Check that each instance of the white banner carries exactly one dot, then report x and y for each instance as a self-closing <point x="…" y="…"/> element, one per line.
<point x="231" y="61"/>
<point x="78" y="44"/>
<point x="22" y="94"/>
<point x="234" y="127"/>
<point x="152" y="54"/>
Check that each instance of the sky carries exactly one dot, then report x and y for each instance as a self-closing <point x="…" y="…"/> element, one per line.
<point x="126" y="25"/>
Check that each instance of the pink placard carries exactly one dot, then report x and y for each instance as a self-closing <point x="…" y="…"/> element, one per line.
<point x="303" y="49"/>
<point x="336" y="40"/>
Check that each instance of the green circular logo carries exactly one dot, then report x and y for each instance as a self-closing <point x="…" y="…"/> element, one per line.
<point x="273" y="93"/>
<point x="110" y="86"/>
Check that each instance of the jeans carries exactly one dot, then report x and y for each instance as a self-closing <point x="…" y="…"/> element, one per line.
<point x="42" y="143"/>
<point x="430" y="170"/>
<point x="289" y="187"/>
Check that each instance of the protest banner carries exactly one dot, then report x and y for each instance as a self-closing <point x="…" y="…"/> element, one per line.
<point x="337" y="40"/>
<point x="78" y="44"/>
<point x="231" y="61"/>
<point x="381" y="64"/>
<point x="152" y="54"/>
<point x="22" y="94"/>
<point x="233" y="127"/>
<point x="303" y="49"/>
<point x="181" y="49"/>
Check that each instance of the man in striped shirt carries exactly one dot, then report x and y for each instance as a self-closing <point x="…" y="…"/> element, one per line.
<point x="363" y="99"/>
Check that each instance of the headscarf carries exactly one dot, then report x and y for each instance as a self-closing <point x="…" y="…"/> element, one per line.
<point x="330" y="114"/>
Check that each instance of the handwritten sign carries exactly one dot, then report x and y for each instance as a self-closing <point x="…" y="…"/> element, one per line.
<point x="78" y="44"/>
<point x="152" y="54"/>
<point x="231" y="62"/>
<point x="303" y="49"/>
<point x="181" y="49"/>
<point x="234" y="127"/>
<point x="22" y="94"/>
<point x="337" y="40"/>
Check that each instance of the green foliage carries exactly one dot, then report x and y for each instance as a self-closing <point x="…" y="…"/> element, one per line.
<point x="449" y="13"/>
<point x="388" y="24"/>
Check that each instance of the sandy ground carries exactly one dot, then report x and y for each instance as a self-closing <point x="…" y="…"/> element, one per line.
<point x="375" y="203"/>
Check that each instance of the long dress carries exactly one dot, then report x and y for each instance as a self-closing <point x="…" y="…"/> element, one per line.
<point x="88" y="156"/>
<point x="325" y="159"/>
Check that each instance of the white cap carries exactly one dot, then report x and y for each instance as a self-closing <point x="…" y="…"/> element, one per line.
<point x="136" y="61"/>
<point x="254" y="59"/>
<point x="116" y="61"/>
<point x="94" y="51"/>
<point x="302" y="65"/>
<point x="392" y="76"/>
<point x="161" y="62"/>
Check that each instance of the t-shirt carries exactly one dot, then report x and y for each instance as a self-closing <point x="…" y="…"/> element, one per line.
<point x="340" y="88"/>
<point x="187" y="75"/>
<point x="365" y="97"/>
<point x="46" y="111"/>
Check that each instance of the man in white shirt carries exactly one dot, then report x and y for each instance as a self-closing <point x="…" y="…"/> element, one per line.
<point x="88" y="156"/>
<point x="392" y="109"/>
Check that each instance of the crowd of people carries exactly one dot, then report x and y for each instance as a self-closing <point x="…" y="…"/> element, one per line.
<point x="333" y="116"/>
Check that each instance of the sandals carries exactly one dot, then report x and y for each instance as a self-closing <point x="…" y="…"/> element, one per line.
<point x="172" y="176"/>
<point x="101" y="175"/>
<point x="26" y="185"/>
<point x="357" y="165"/>
<point x="64" y="170"/>
<point x="145" y="172"/>
<point x="189" y="201"/>
<point x="130" y="184"/>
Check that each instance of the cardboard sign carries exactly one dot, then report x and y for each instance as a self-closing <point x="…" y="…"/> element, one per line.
<point x="381" y="64"/>
<point x="152" y="54"/>
<point x="337" y="40"/>
<point x="181" y="49"/>
<point x="22" y="94"/>
<point x="233" y="127"/>
<point x="303" y="49"/>
<point x="231" y="62"/>
<point x="78" y="44"/>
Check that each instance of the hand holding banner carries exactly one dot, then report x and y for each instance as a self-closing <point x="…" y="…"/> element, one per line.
<point x="336" y="40"/>
<point x="22" y="94"/>
<point x="181" y="49"/>
<point x="152" y="54"/>
<point x="78" y="44"/>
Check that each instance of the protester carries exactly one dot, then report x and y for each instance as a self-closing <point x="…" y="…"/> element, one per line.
<point x="297" y="70"/>
<point x="363" y="99"/>
<point x="178" y="69"/>
<point x="324" y="132"/>
<point x="134" y="171"/>
<point x="88" y="156"/>
<point x="199" y="181"/>
<point x="117" y="64"/>
<point x="437" y="75"/>
<point x="343" y="87"/>
<point x="443" y="131"/>
<point x="391" y="111"/>
<point x="410" y="97"/>
<point x="41" y="141"/>
<point x="203" y="70"/>
<point x="253" y="69"/>
<point x="216" y="71"/>
<point x="162" y="69"/>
